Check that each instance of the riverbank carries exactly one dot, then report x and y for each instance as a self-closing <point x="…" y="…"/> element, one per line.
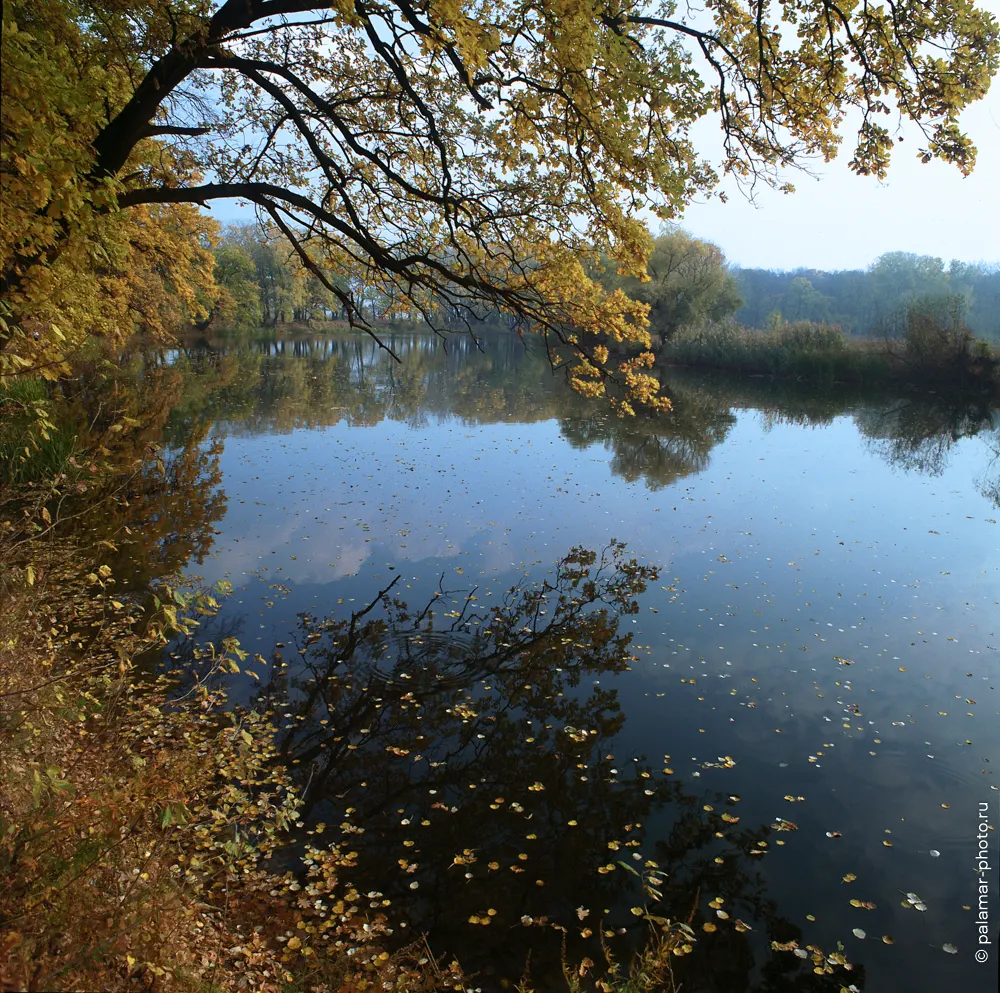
<point x="140" y="819"/>
<point x="929" y="357"/>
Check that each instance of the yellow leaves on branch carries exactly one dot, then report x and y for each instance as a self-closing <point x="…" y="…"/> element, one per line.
<point x="482" y="161"/>
<point x="585" y="316"/>
<point x="148" y="268"/>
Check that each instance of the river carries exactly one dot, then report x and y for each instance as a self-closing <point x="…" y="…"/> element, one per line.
<point x="532" y="655"/>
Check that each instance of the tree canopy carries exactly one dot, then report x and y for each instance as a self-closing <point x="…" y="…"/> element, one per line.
<point x="687" y="282"/>
<point x="467" y="155"/>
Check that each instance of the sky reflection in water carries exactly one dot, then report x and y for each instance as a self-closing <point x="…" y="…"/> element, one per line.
<point x="821" y="642"/>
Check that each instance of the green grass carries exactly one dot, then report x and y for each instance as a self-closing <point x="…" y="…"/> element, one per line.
<point x="26" y="454"/>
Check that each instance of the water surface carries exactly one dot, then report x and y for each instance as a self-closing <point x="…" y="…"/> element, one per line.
<point x="793" y="684"/>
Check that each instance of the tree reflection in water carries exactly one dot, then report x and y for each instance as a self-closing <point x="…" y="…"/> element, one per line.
<point x="466" y="751"/>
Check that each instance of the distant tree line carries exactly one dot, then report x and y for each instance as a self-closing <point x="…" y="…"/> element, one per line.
<point x="875" y="301"/>
<point x="263" y="282"/>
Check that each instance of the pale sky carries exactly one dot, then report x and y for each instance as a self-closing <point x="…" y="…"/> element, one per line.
<point x="843" y="221"/>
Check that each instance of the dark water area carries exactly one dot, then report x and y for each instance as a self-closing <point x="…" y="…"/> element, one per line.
<point x="528" y="655"/>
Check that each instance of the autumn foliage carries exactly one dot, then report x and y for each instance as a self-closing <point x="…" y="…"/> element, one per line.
<point x="464" y="156"/>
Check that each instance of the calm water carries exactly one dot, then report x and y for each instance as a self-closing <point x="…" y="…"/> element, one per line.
<point x="794" y="683"/>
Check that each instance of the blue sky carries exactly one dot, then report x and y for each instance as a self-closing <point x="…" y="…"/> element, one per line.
<point x="842" y="221"/>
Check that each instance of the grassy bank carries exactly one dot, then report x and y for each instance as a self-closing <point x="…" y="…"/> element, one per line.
<point x="929" y="356"/>
<point x="137" y="822"/>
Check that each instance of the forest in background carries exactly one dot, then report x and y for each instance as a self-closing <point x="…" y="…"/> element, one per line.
<point x="261" y="283"/>
<point x="873" y="302"/>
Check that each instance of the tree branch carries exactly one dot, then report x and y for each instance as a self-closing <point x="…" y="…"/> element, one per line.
<point x="158" y="130"/>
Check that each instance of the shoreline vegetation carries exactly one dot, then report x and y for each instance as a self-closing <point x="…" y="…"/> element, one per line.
<point x="139" y="823"/>
<point x="915" y="324"/>
<point x="929" y="356"/>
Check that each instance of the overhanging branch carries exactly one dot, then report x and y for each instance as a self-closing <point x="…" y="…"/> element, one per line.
<point x="160" y="130"/>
